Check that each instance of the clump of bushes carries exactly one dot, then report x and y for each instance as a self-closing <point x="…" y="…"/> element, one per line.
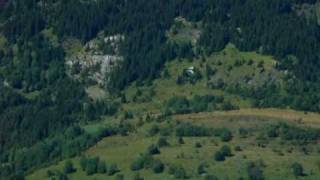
<point x="146" y="161"/>
<point x="297" y="169"/>
<point x="221" y="154"/>
<point x="255" y="171"/>
<point x="163" y="142"/>
<point x="292" y="133"/>
<point x="182" y="105"/>
<point x="178" y="172"/>
<point x="95" y="165"/>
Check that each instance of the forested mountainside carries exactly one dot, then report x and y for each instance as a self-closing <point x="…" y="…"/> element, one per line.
<point x="52" y="52"/>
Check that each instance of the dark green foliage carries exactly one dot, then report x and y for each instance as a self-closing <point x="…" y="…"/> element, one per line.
<point x="92" y="166"/>
<point x="154" y="130"/>
<point x="113" y="169"/>
<point x="201" y="169"/>
<point x="180" y="173"/>
<point x="198" y="145"/>
<point x="68" y="167"/>
<point x="221" y="154"/>
<point x="153" y="150"/>
<point x="158" y="167"/>
<point x="181" y="105"/>
<point x="226" y="151"/>
<point x="218" y="156"/>
<point x="162" y="142"/>
<point x="293" y="133"/>
<point x="83" y="163"/>
<point x="226" y="135"/>
<point x="178" y="104"/>
<point x="138" y="177"/>
<point x="180" y="140"/>
<point x="297" y="169"/>
<point x="102" y="167"/>
<point x="190" y="130"/>
<point x="210" y="71"/>
<point x="255" y="171"/>
<point x="119" y="177"/>
<point x="137" y="164"/>
<point x="146" y="161"/>
<point x="210" y="177"/>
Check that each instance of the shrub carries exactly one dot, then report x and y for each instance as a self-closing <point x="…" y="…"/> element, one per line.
<point x="221" y="154"/>
<point x="154" y="130"/>
<point x="297" y="169"/>
<point x="92" y="165"/>
<point x="180" y="173"/>
<point x="218" y="156"/>
<point x="68" y="167"/>
<point x="83" y="163"/>
<point x="137" y="165"/>
<point x="138" y="177"/>
<point x="210" y="177"/>
<point x="113" y="169"/>
<point x="226" y="135"/>
<point x="237" y="148"/>
<point x="119" y="177"/>
<point x="201" y="169"/>
<point x="102" y="167"/>
<point x="226" y="151"/>
<point x="152" y="150"/>
<point x="255" y="171"/>
<point x="198" y="145"/>
<point x="162" y="142"/>
<point x="158" y="166"/>
<point x="180" y="140"/>
<point x="144" y="161"/>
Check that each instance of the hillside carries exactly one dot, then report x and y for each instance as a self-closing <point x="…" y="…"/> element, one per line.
<point x="155" y="116"/>
<point x="153" y="89"/>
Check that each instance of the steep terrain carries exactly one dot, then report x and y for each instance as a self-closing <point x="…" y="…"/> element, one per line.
<point x="153" y="89"/>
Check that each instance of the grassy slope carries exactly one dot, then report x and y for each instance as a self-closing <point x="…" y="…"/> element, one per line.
<point x="123" y="150"/>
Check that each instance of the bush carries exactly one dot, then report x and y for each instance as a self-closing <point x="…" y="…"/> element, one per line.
<point x="224" y="152"/>
<point x="152" y="150"/>
<point x="68" y="167"/>
<point x="297" y="169"/>
<point x="113" y="169"/>
<point x="201" y="169"/>
<point x="102" y="167"/>
<point x="226" y="135"/>
<point x="210" y="177"/>
<point x="180" y="140"/>
<point x="218" y="156"/>
<point x="180" y="173"/>
<point x="198" y="145"/>
<point x="138" y="177"/>
<point x="237" y="148"/>
<point x="83" y="163"/>
<point x="158" y="166"/>
<point x="119" y="177"/>
<point x="92" y="165"/>
<point x="162" y="142"/>
<point x="255" y="171"/>
<point x="154" y="130"/>
<point x="137" y="164"/>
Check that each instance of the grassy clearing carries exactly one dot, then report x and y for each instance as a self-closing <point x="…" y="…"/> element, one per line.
<point x="277" y="156"/>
